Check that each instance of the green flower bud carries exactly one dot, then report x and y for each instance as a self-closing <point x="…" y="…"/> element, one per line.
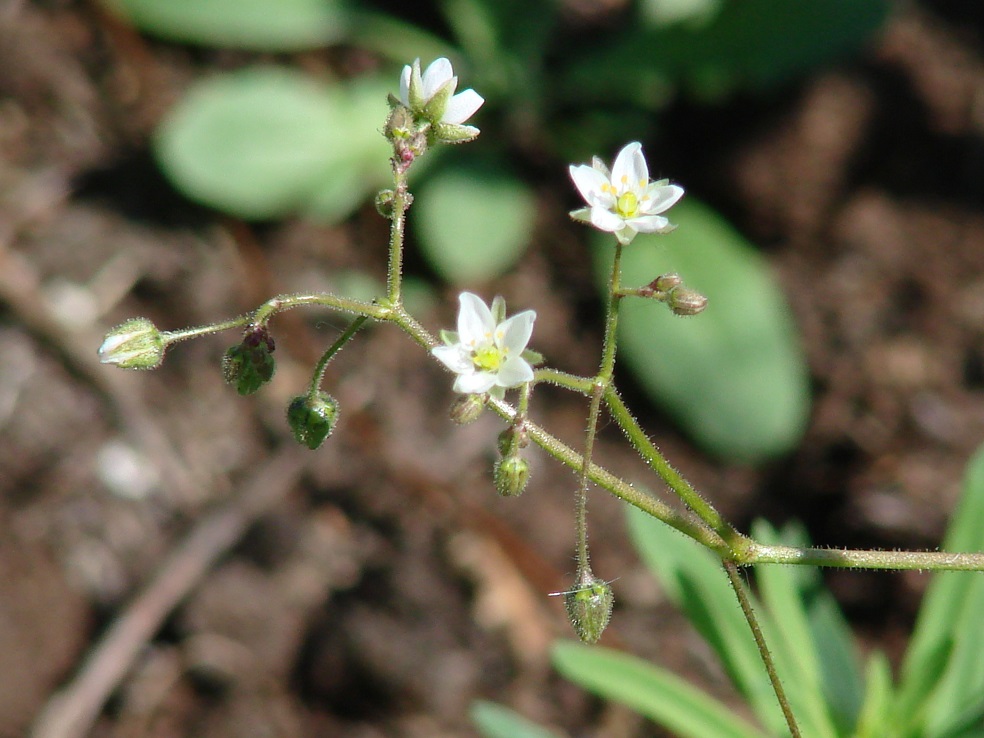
<point x="511" y="475"/>
<point x="467" y="408"/>
<point x="666" y="282"/>
<point x="249" y="365"/>
<point x="384" y="203"/>
<point x="685" y="301"/>
<point x="589" y="606"/>
<point x="312" y="419"/>
<point x="400" y="124"/>
<point x="136" y="344"/>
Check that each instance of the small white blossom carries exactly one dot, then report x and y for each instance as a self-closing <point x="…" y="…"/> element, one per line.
<point x="487" y="351"/>
<point x="432" y="93"/>
<point x="624" y="201"/>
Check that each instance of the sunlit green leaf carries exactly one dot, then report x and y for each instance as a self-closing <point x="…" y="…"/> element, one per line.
<point x="473" y="222"/>
<point x="262" y="25"/>
<point x="651" y="691"/>
<point x="496" y="721"/>
<point x="733" y="376"/>
<point x="263" y="142"/>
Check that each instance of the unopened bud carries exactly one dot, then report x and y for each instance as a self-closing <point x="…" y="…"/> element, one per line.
<point x="685" y="301"/>
<point x="513" y="438"/>
<point x="136" y="344"/>
<point x="384" y="203"/>
<point x="399" y="125"/>
<point x="249" y="365"/>
<point x="312" y="419"/>
<point x="511" y="475"/>
<point x="666" y="282"/>
<point x="467" y="408"/>
<point x="589" y="606"/>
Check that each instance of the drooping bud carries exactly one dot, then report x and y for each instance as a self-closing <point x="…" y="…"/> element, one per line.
<point x="384" y="203"/>
<point x="249" y="365"/>
<point x="589" y="606"/>
<point x="666" y="282"/>
<point x="685" y="301"/>
<point x="511" y="476"/>
<point x="136" y="344"/>
<point x="312" y="420"/>
<point x="467" y="408"/>
<point x="512" y="439"/>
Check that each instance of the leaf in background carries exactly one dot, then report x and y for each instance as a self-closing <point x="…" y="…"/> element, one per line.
<point x="496" y="721"/>
<point x="649" y="690"/>
<point x="473" y="222"/>
<point x="949" y="629"/>
<point x="734" y="376"/>
<point x="263" y="142"/>
<point x="752" y="43"/>
<point x="258" y="25"/>
<point x="693" y="579"/>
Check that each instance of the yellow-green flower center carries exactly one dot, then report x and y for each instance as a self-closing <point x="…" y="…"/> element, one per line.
<point x="627" y="205"/>
<point x="488" y="358"/>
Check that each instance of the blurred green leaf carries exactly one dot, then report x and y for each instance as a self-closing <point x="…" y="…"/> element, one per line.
<point x="876" y="708"/>
<point x="496" y="721"/>
<point x="693" y="579"/>
<point x="263" y="142"/>
<point x="949" y="629"/>
<point x="649" y="690"/>
<point x="473" y="222"/>
<point x="752" y="43"/>
<point x="260" y="25"/>
<point x="733" y="376"/>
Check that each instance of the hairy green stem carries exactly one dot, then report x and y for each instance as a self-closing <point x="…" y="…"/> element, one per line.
<point x="676" y="482"/>
<point x="744" y="600"/>
<point x="860" y="559"/>
<point x="327" y="356"/>
<point x="401" y="202"/>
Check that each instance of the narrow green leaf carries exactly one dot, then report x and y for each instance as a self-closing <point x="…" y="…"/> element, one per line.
<point x="876" y="708"/>
<point x="693" y="579"/>
<point x="261" y="142"/>
<point x="651" y="691"/>
<point x="786" y="625"/>
<point x="496" y="721"/>
<point x="260" y="25"/>
<point x="733" y="376"/>
<point x="948" y="620"/>
<point x="473" y="222"/>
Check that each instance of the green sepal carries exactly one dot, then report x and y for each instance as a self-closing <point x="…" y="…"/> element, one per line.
<point x="312" y="420"/>
<point x="450" y="338"/>
<point x="589" y="606"/>
<point x="250" y="364"/>
<point x="533" y="358"/>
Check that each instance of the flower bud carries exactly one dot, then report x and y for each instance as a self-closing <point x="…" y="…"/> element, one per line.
<point x="312" y="420"/>
<point x="685" y="301"/>
<point x="136" y="344"/>
<point x="467" y="408"/>
<point x="589" y="606"/>
<point x="399" y="125"/>
<point x="666" y="282"/>
<point x="249" y="365"/>
<point x="384" y="203"/>
<point x="511" y="475"/>
<point x="511" y="439"/>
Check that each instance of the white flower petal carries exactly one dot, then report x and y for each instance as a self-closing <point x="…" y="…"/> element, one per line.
<point x="405" y="84"/>
<point x="649" y="224"/>
<point x="516" y="331"/>
<point x="456" y="358"/>
<point x="514" y="370"/>
<point x="475" y="323"/>
<point x="606" y="220"/>
<point x="630" y="171"/>
<point x="589" y="182"/>
<point x="462" y="106"/>
<point x="437" y="73"/>
<point x="473" y="384"/>
<point x="661" y="198"/>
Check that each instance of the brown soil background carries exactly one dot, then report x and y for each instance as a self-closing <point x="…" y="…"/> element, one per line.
<point x="377" y="586"/>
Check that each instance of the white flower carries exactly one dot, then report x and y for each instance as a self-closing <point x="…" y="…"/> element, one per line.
<point x="431" y="94"/>
<point x="487" y="351"/>
<point x="624" y="201"/>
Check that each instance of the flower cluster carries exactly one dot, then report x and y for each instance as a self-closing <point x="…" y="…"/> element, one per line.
<point x="430" y="97"/>
<point x="487" y="352"/>
<point x="623" y="201"/>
